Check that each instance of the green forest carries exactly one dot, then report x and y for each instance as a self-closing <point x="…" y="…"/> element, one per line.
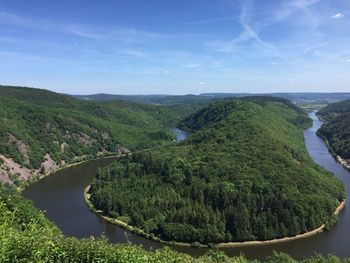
<point x="336" y="129"/>
<point x="34" y="123"/>
<point x="27" y="236"/>
<point x="244" y="174"/>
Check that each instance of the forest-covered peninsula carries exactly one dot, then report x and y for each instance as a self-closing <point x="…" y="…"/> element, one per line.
<point x="244" y="174"/>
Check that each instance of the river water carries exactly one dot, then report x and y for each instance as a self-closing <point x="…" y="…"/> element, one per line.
<point x="61" y="196"/>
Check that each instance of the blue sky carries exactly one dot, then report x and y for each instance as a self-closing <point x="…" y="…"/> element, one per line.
<point x="176" y="47"/>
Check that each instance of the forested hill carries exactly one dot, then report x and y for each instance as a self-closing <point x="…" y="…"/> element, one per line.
<point x="336" y="129"/>
<point x="219" y="111"/>
<point x="334" y="109"/>
<point x="41" y="130"/>
<point x="244" y="174"/>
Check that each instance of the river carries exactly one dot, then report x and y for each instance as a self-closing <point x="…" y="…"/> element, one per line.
<point x="61" y="196"/>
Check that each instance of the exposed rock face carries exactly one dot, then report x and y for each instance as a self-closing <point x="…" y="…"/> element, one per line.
<point x="83" y="138"/>
<point x="64" y="146"/>
<point x="105" y="136"/>
<point x="49" y="164"/>
<point x="80" y="137"/>
<point x="9" y="170"/>
<point x="120" y="149"/>
<point x="21" y="147"/>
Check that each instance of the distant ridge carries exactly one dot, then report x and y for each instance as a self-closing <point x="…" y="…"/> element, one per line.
<point x="206" y="97"/>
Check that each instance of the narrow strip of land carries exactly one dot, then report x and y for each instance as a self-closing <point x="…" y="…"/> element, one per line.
<point x="343" y="162"/>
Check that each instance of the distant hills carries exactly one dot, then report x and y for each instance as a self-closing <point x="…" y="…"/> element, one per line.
<point x="41" y="131"/>
<point x="205" y="97"/>
<point x="244" y="174"/>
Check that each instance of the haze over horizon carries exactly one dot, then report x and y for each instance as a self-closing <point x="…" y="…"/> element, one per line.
<point x="177" y="47"/>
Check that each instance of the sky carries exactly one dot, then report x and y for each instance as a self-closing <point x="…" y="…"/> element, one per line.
<point x="176" y="46"/>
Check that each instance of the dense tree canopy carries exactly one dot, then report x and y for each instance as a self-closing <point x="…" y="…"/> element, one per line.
<point x="244" y="174"/>
<point x="34" y="123"/>
<point x="336" y="129"/>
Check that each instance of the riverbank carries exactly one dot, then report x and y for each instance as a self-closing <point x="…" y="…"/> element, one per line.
<point x="130" y="228"/>
<point x="345" y="163"/>
<point x="140" y="232"/>
<point x="34" y="180"/>
<point x="285" y="239"/>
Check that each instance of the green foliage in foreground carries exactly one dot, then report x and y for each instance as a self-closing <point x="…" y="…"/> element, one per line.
<point x="27" y="236"/>
<point x="336" y="128"/>
<point x="244" y="174"/>
<point x="41" y="122"/>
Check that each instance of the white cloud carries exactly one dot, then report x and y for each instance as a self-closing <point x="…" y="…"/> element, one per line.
<point x="291" y="80"/>
<point x="347" y="60"/>
<point x="167" y="72"/>
<point x="201" y="83"/>
<point x="338" y="16"/>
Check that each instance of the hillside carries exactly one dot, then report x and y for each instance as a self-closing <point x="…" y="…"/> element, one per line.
<point x="336" y="129"/>
<point x="244" y="174"/>
<point x="41" y="131"/>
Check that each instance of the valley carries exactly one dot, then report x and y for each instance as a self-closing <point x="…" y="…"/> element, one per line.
<point x="78" y="177"/>
<point x="174" y="131"/>
<point x="216" y="129"/>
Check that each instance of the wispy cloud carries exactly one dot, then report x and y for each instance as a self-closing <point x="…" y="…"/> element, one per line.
<point x="310" y="48"/>
<point x="249" y="34"/>
<point x="338" y="16"/>
<point x="227" y="43"/>
<point x="290" y="8"/>
<point x="100" y="33"/>
<point x="192" y="65"/>
<point x="302" y="4"/>
<point x="211" y="20"/>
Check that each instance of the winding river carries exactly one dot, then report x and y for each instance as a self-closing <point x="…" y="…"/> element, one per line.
<point x="61" y="196"/>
